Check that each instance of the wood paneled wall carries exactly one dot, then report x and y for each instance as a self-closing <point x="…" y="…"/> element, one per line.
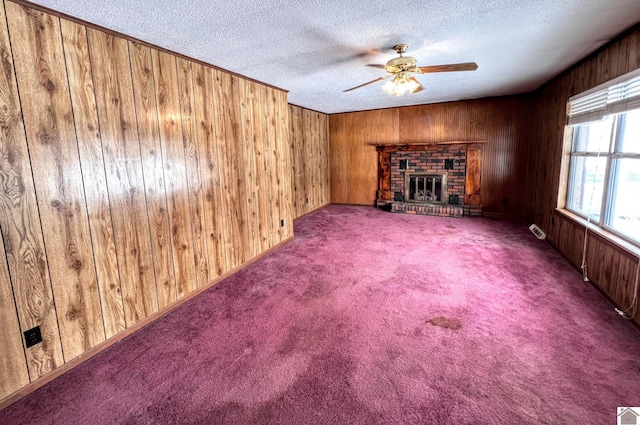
<point x="130" y="178"/>
<point x="501" y="122"/>
<point x="310" y="154"/>
<point x="611" y="268"/>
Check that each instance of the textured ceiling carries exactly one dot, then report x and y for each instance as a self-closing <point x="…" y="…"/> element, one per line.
<point x="318" y="48"/>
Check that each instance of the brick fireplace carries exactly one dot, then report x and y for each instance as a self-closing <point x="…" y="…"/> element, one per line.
<point x="430" y="179"/>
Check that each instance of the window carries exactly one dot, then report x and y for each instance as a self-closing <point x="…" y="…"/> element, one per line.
<point x="604" y="172"/>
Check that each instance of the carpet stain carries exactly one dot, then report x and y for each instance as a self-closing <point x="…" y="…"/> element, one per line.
<point x="445" y="322"/>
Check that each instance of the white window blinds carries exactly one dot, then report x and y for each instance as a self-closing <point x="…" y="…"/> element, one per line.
<point x="613" y="97"/>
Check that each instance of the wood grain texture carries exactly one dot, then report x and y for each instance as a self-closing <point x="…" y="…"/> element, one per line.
<point x="48" y="117"/>
<point x="13" y="363"/>
<point x="384" y="175"/>
<point x="249" y="145"/>
<point x="125" y="181"/>
<point x="297" y="157"/>
<point x="146" y="110"/>
<point x="272" y="222"/>
<point x="192" y="162"/>
<point x="129" y="331"/>
<point x="159" y="175"/>
<point x="608" y="264"/>
<point x="173" y="158"/>
<point x="217" y="242"/>
<point x="353" y="161"/>
<point x="501" y="122"/>
<point x="473" y="177"/>
<point x="21" y="230"/>
<point x="284" y="163"/>
<point x="324" y="193"/>
<point x="93" y="172"/>
<point x="276" y="182"/>
<point x="309" y="161"/>
<point x="309" y="150"/>
<point x="319" y="176"/>
<point x="230" y="238"/>
<point x="261" y="178"/>
<point x="227" y="105"/>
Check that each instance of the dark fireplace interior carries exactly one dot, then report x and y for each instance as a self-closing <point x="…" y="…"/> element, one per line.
<point x="425" y="187"/>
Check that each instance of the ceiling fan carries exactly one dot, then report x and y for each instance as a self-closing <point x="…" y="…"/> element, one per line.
<point x="400" y="67"/>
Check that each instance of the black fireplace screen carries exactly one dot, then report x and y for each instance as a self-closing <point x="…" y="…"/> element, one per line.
<point x="425" y="188"/>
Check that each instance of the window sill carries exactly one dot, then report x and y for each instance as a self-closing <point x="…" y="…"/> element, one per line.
<point x="603" y="234"/>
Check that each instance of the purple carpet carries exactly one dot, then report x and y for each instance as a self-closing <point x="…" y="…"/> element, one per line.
<point x="369" y="317"/>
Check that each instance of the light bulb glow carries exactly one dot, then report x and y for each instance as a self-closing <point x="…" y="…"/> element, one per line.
<point x="401" y="85"/>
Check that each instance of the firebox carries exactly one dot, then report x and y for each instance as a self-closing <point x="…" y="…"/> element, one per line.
<point x="425" y="187"/>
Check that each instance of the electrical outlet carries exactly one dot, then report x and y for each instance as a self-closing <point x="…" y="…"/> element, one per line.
<point x="32" y="337"/>
<point x="537" y="231"/>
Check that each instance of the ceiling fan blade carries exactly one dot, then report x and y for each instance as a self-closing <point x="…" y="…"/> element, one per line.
<point x="377" y="65"/>
<point x="366" y="84"/>
<point x="467" y="66"/>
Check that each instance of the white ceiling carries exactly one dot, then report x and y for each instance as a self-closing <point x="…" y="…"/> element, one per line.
<point x="316" y="49"/>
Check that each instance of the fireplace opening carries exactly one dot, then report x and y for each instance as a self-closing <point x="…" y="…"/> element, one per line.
<point x="425" y="187"/>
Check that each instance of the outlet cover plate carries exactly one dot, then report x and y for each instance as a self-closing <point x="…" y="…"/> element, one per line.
<point x="32" y="337"/>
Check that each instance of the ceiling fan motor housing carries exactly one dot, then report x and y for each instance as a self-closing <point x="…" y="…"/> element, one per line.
<point x="403" y="63"/>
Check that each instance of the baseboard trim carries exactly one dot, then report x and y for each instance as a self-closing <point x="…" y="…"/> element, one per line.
<point x="312" y="211"/>
<point x="490" y="214"/>
<point x="61" y="370"/>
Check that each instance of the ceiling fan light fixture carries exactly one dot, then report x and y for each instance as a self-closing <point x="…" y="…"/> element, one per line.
<point x="400" y="67"/>
<point x="401" y="85"/>
<point x="390" y="88"/>
<point x="412" y="84"/>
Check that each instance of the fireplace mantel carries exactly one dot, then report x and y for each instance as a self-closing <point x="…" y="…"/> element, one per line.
<point x="422" y="146"/>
